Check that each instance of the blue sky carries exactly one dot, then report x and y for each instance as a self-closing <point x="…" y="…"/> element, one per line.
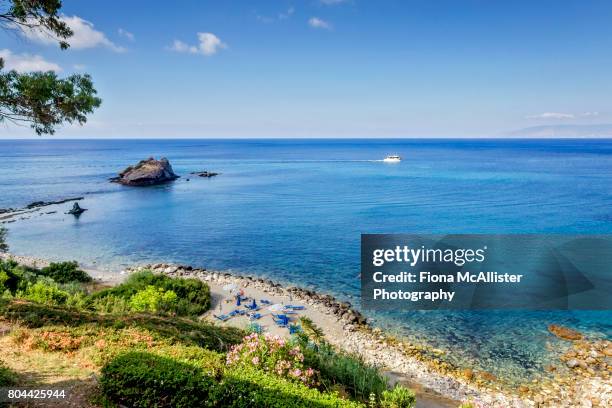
<point x="331" y="68"/>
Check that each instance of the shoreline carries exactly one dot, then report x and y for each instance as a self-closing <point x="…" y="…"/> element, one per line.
<point x="437" y="384"/>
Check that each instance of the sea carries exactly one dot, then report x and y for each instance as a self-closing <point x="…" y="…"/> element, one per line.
<point x="293" y="210"/>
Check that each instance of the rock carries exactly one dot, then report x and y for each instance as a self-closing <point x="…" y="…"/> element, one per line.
<point x="76" y="210"/>
<point x="572" y="363"/>
<point x="37" y="204"/>
<point x="487" y="376"/>
<point x="564" y="332"/>
<point x="468" y="373"/>
<point x="204" y="173"/>
<point x="146" y="173"/>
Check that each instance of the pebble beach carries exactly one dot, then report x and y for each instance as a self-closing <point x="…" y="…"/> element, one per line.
<point x="437" y="383"/>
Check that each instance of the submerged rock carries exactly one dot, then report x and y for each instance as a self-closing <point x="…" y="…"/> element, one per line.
<point x="564" y="332"/>
<point x="76" y="210"/>
<point x="147" y="173"/>
<point x="204" y="173"/>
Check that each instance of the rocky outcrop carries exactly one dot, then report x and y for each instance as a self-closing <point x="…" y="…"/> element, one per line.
<point x="37" y="204"/>
<point x="147" y="173"/>
<point x="76" y="210"/>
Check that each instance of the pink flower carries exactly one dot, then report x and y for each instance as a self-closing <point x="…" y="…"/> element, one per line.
<point x="255" y="360"/>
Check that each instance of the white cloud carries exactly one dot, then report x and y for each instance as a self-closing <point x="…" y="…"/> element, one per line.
<point x="126" y="34"/>
<point x="559" y="115"/>
<point x="287" y="14"/>
<point x="316" y="22"/>
<point x="280" y="16"/>
<point x="26" y="62"/>
<point x="552" y="115"/>
<point x="84" y="35"/>
<point x="79" y="67"/>
<point x="209" y="44"/>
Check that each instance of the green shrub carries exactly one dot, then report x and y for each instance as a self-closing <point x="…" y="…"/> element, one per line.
<point x="250" y="388"/>
<point x="64" y="272"/>
<point x="348" y="371"/>
<point x="193" y="296"/>
<point x="138" y="379"/>
<point x="398" y="397"/>
<point x="152" y="299"/>
<point x="110" y="304"/>
<point x="12" y="276"/>
<point x="7" y="377"/>
<point x="45" y="293"/>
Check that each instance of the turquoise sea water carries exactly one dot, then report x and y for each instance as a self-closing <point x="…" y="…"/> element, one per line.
<point x="293" y="211"/>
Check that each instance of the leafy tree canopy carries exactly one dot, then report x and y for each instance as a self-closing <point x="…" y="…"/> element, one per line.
<point x="42" y="99"/>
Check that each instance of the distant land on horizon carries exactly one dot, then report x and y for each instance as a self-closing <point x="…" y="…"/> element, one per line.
<point x="563" y="131"/>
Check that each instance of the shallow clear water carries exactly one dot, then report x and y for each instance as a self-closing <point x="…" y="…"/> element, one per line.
<point x="293" y="210"/>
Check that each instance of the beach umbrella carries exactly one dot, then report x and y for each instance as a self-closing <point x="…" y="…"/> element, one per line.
<point x="276" y="307"/>
<point x="238" y="300"/>
<point x="254" y="304"/>
<point x="230" y="287"/>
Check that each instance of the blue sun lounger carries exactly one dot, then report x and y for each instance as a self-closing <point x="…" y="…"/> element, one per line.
<point x="281" y="320"/>
<point x="280" y="323"/>
<point x="294" y="328"/>
<point x="294" y="307"/>
<point x="255" y="316"/>
<point x="223" y="317"/>
<point x="237" y="312"/>
<point x="265" y="301"/>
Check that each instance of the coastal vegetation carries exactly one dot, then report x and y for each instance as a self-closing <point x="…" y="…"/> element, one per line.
<point x="147" y="345"/>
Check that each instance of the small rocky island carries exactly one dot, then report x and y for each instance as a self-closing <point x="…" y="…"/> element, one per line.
<point x="147" y="173"/>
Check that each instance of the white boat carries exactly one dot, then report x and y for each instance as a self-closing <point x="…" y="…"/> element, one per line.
<point x="393" y="158"/>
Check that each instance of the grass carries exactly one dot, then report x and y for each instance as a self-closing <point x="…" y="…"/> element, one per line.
<point x="175" y="329"/>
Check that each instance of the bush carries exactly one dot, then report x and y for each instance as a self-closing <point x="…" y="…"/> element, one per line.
<point x="138" y="379"/>
<point x="7" y="377"/>
<point x="398" y="397"/>
<point x="109" y="304"/>
<point x="192" y="295"/>
<point x="350" y="372"/>
<point x="64" y="272"/>
<point x="251" y="388"/>
<point x="152" y="299"/>
<point x="45" y="293"/>
<point x="274" y="355"/>
<point x="12" y="277"/>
